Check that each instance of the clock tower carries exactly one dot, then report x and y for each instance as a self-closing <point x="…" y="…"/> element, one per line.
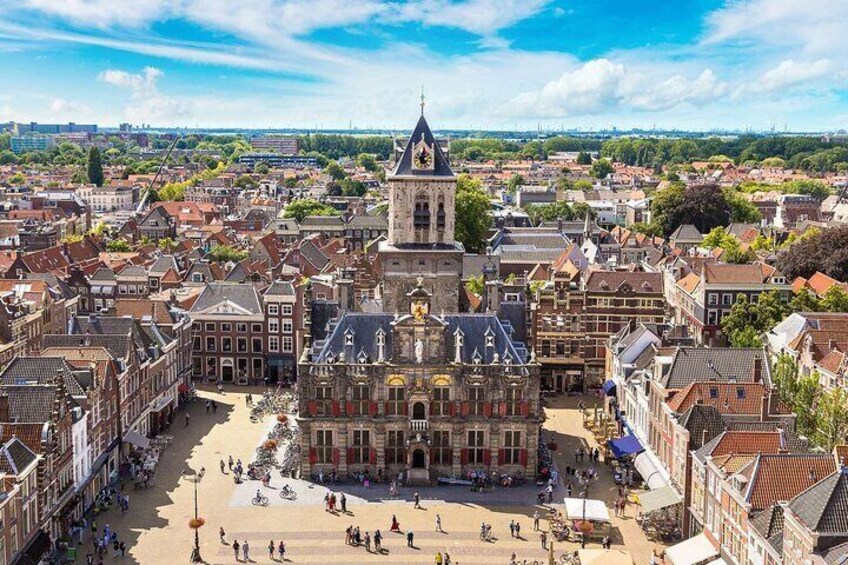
<point x="421" y="244"/>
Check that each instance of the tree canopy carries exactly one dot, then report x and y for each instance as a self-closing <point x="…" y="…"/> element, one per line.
<point x="299" y="209"/>
<point x="825" y="251"/>
<point x="473" y="214"/>
<point x="94" y="167"/>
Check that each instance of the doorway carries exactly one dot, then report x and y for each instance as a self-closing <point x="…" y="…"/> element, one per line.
<point x="227" y="370"/>
<point x="419" y="411"/>
<point x="418" y="459"/>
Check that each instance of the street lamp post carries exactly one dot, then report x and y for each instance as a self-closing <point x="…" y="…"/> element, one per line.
<point x="583" y="524"/>
<point x="195" y="552"/>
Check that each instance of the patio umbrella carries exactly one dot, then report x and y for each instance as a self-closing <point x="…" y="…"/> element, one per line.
<point x="605" y="557"/>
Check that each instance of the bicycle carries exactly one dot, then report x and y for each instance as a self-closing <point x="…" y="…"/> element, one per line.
<point x="260" y="500"/>
<point x="569" y="559"/>
<point x="288" y="493"/>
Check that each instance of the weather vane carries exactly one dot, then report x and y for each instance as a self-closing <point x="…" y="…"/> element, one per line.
<point x="422" y="99"/>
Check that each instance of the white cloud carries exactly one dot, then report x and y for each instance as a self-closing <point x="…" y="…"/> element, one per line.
<point x="146" y="103"/>
<point x="72" y="110"/>
<point x="602" y="86"/>
<point x="791" y="73"/>
<point x="481" y="17"/>
<point x="105" y="13"/>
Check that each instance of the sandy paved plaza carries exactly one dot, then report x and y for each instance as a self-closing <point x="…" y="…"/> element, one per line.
<point x="156" y="528"/>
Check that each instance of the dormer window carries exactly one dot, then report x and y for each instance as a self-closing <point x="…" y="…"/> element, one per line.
<point x="348" y="337"/>
<point x="381" y="337"/>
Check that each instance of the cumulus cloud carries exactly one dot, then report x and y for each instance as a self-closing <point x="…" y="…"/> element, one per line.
<point x="602" y="85"/>
<point x="146" y="103"/>
<point x="105" y="13"/>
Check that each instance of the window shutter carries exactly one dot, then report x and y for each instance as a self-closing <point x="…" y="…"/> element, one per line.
<point x="465" y="409"/>
<point x="453" y="409"/>
<point x="502" y="409"/>
<point x="372" y="409"/>
<point x="336" y="456"/>
<point x="463" y="456"/>
<point x="335" y="408"/>
<point x="349" y="455"/>
<point x="349" y="408"/>
<point x="449" y="456"/>
<point x="487" y="457"/>
<point x="487" y="409"/>
<point x="313" y="456"/>
<point x="313" y="407"/>
<point x="405" y="408"/>
<point x="525" y="409"/>
<point x="522" y="455"/>
<point x="372" y="456"/>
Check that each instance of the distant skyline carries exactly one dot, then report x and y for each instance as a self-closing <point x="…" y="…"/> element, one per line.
<point x="484" y="64"/>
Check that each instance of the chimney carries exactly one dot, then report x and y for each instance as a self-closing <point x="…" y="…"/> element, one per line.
<point x="764" y="408"/>
<point x="758" y="369"/>
<point x="831" y="344"/>
<point x="703" y="438"/>
<point x="4" y="408"/>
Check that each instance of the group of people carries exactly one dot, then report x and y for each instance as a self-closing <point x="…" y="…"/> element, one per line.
<point x="211" y="405"/>
<point x="244" y="548"/>
<point x="235" y="467"/>
<point x="102" y="543"/>
<point x="581" y="453"/>
<point x="353" y="536"/>
<point x="333" y="504"/>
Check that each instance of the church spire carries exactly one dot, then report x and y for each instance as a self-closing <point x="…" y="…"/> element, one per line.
<point x="422" y="101"/>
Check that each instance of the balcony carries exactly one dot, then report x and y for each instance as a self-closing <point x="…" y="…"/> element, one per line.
<point x="419" y="425"/>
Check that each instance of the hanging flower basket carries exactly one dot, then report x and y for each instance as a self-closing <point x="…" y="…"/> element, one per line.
<point x="196" y="523"/>
<point x="270" y="445"/>
<point x="282" y="418"/>
<point x="552" y="446"/>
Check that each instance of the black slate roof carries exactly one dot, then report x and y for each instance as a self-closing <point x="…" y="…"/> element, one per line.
<point x="30" y="404"/>
<point x="116" y="345"/>
<point x="474" y="327"/>
<point x="769" y="524"/>
<point x="15" y="457"/>
<point x="441" y="167"/>
<point x="700" y="418"/>
<point x="720" y="364"/>
<point x="42" y="371"/>
<point x="823" y="507"/>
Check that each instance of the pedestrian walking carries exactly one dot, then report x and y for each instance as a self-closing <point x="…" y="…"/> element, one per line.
<point x="343" y="503"/>
<point x="236" y="549"/>
<point x="536" y="520"/>
<point x="230" y="462"/>
<point x="439" y="558"/>
<point x="187" y="418"/>
<point x="605" y="543"/>
<point x="543" y="537"/>
<point x="214" y="407"/>
<point x="368" y="542"/>
<point x="568" y="489"/>
<point x="409" y="538"/>
<point x="123" y="548"/>
<point x="348" y="535"/>
<point x="222" y="466"/>
<point x="378" y="541"/>
<point x="550" y="491"/>
<point x="518" y="530"/>
<point x="417" y="498"/>
<point x="512" y="528"/>
<point x="281" y="549"/>
<point x="395" y="524"/>
<point x="208" y="406"/>
<point x="439" y="524"/>
<point x="447" y="558"/>
<point x="245" y="549"/>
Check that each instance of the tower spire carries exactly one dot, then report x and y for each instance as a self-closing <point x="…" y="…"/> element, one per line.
<point x="422" y="100"/>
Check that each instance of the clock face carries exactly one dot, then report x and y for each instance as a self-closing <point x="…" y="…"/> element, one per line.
<point x="423" y="159"/>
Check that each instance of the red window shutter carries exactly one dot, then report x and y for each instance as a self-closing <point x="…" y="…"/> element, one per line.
<point x="449" y="456"/>
<point x="313" y="407"/>
<point x="487" y="409"/>
<point x="335" y="408"/>
<point x="405" y="408"/>
<point x="502" y="409"/>
<point x="522" y="457"/>
<point x="372" y="409"/>
<point x="465" y="409"/>
<point x="349" y="455"/>
<point x="336" y="456"/>
<point x="372" y="456"/>
<point x="487" y="457"/>
<point x="463" y="456"/>
<point x="525" y="409"/>
<point x="432" y="457"/>
<point x="348" y="407"/>
<point x="313" y="456"/>
<point x="453" y="409"/>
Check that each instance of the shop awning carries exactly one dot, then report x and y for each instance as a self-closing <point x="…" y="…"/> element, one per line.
<point x="137" y="439"/>
<point x="624" y="446"/>
<point x="663" y="497"/>
<point x="693" y="551"/>
<point x="609" y="388"/>
<point x="35" y="549"/>
<point x="594" y="510"/>
<point x="650" y="473"/>
<point x="718" y="561"/>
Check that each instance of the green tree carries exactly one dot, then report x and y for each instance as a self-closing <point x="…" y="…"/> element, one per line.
<point x="514" y="182"/>
<point x="335" y="171"/>
<point x="350" y="187"/>
<point x="118" y="246"/>
<point x="226" y="254"/>
<point x="17" y="178"/>
<point x="804" y="403"/>
<point x="785" y="377"/>
<point x="564" y="183"/>
<point x="473" y="214"/>
<point x="261" y="169"/>
<point x="7" y="157"/>
<point x="832" y="418"/>
<point x="475" y="285"/>
<point x="746" y="317"/>
<point x="367" y="162"/>
<point x="746" y="337"/>
<point x="94" y="167"/>
<point x="805" y="301"/>
<point x="245" y="182"/>
<point x="835" y="299"/>
<point x="583" y="158"/>
<point x="742" y="210"/>
<point x="299" y="209"/>
<point x="601" y="168"/>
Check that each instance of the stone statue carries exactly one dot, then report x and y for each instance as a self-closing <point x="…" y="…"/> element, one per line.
<point x="419" y="351"/>
<point x="496" y="358"/>
<point x="532" y="355"/>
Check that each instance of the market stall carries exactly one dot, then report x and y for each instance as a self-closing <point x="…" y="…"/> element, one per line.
<point x="587" y="516"/>
<point x="697" y="550"/>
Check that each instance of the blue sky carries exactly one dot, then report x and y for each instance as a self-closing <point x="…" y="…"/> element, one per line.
<point x="484" y="64"/>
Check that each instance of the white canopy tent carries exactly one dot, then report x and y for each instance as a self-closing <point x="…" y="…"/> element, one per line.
<point x="650" y="473"/>
<point x="693" y="551"/>
<point x="595" y="510"/>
